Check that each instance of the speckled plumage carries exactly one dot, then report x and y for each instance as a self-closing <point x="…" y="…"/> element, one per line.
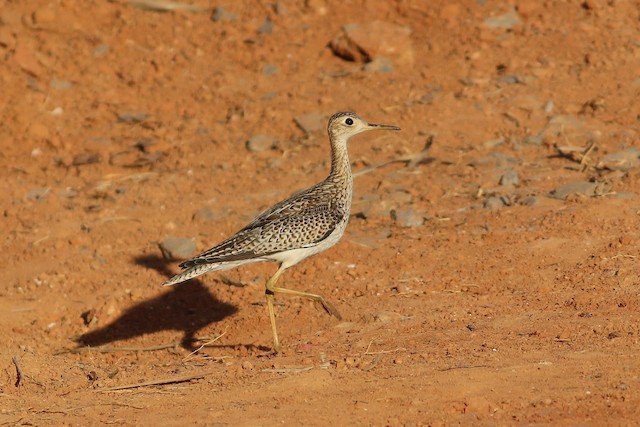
<point x="306" y="223"/>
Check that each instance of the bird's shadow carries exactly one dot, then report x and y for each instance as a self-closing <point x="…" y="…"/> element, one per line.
<point x="187" y="307"/>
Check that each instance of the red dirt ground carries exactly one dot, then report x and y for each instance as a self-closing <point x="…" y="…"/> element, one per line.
<point x="506" y="306"/>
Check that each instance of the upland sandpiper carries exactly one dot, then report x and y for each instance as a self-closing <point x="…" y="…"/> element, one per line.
<point x="307" y="223"/>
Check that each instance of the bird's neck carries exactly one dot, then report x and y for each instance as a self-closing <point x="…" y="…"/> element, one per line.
<point x="340" y="165"/>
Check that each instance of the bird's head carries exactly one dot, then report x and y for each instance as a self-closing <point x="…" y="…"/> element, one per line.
<point x="345" y="125"/>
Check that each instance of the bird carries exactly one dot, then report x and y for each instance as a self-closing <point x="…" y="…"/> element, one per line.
<point x="307" y="223"/>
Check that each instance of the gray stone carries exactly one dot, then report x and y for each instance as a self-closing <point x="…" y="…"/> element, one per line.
<point x="310" y="122"/>
<point x="494" y="202"/>
<point x="512" y="79"/>
<point x="269" y="70"/>
<point x="380" y="65"/>
<point x="510" y="177"/>
<point x="219" y="14"/>
<point x="101" y="50"/>
<point x="622" y="160"/>
<point x="39" y="193"/>
<point x="407" y="217"/>
<point x="258" y="143"/>
<point x="204" y="214"/>
<point x="585" y="188"/>
<point x="506" y="21"/>
<point x="266" y="27"/>
<point x="61" y="84"/>
<point x="533" y="139"/>
<point x="132" y="117"/>
<point x="368" y="41"/>
<point x="177" y="247"/>
<point x="529" y="201"/>
<point x="496" y="160"/>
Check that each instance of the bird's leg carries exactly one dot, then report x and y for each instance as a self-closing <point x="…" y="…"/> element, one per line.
<point x="273" y="289"/>
<point x="272" y="314"/>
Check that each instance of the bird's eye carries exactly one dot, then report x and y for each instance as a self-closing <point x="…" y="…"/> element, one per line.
<point x="349" y="121"/>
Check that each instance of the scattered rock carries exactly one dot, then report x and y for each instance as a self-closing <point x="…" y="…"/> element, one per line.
<point x="61" y="84"/>
<point x="85" y="159"/>
<point x="101" y="50"/>
<point x="407" y="217"/>
<point x="266" y="27"/>
<point x="132" y="117"/>
<point x="204" y="214"/>
<point x="310" y="122"/>
<point x="37" y="194"/>
<point x="494" y="160"/>
<point x="495" y="202"/>
<point x="584" y="188"/>
<point x="368" y="41"/>
<point x="258" y="143"/>
<point x="174" y="248"/>
<point x="380" y="65"/>
<point x="269" y="70"/>
<point x="219" y="14"/>
<point x="510" y="177"/>
<point x="622" y="160"/>
<point x="506" y="21"/>
<point x="533" y="139"/>
<point x="529" y="201"/>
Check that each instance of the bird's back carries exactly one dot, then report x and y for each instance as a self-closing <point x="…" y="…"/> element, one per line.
<point x="303" y="220"/>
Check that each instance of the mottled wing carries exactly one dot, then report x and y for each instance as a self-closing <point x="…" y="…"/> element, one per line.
<point x="303" y="220"/>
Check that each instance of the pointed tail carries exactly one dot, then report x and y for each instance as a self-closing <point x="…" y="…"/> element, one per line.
<point x="191" y="272"/>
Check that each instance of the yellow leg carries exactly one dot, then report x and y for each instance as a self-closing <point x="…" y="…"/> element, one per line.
<point x="272" y="289"/>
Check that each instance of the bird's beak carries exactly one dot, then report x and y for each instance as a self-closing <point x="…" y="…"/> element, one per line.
<point x="373" y="126"/>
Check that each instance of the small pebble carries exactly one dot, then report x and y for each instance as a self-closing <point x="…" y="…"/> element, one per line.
<point x="510" y="177"/>
<point x="219" y="14"/>
<point x="266" y="27"/>
<point x="407" y="217"/>
<point x="177" y="248"/>
<point x="494" y="202"/>
<point x="506" y="21"/>
<point x="310" y="122"/>
<point x="269" y="70"/>
<point x="258" y="143"/>
<point x="132" y="117"/>
<point x="379" y="65"/>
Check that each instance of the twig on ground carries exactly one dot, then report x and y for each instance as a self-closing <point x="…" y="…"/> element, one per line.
<point x="287" y="370"/>
<point x="174" y="380"/>
<point x="165" y="6"/>
<point x="19" y="375"/>
<point x="451" y="368"/>
<point x="204" y="345"/>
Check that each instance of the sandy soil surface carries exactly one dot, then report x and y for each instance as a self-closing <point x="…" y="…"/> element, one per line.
<point x="492" y="278"/>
